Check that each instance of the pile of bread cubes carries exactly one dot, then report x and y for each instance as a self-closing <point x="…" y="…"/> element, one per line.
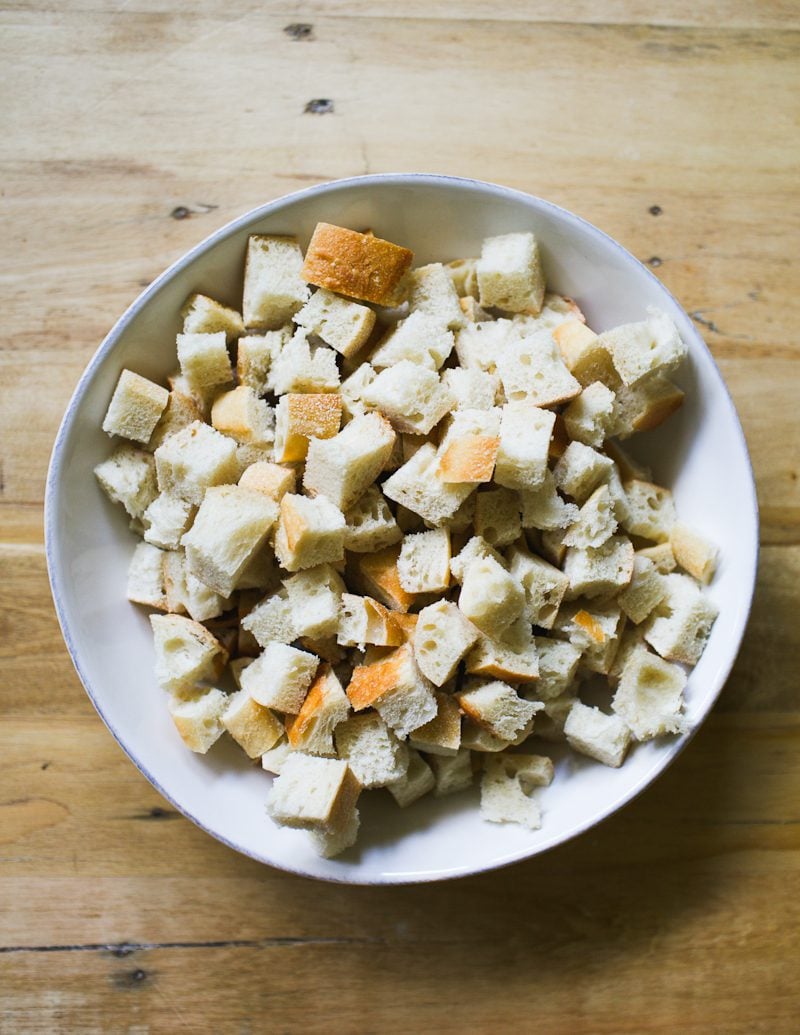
<point x="389" y="504"/>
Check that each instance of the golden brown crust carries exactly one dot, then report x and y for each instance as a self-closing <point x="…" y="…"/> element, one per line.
<point x="469" y="459"/>
<point x="327" y="649"/>
<point x="356" y="265"/>
<point x="369" y="683"/>
<point x="559" y="440"/>
<point x="405" y="623"/>
<point x="378" y="575"/>
<point x="693" y="553"/>
<point x="270" y="479"/>
<point x="661" y="406"/>
<point x="294" y="524"/>
<point x="298" y="727"/>
<point x="318" y="414"/>
<point x="585" y="621"/>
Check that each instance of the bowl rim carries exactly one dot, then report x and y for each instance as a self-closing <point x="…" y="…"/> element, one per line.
<point x="51" y="499"/>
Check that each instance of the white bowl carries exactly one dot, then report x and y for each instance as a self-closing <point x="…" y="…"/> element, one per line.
<point x="700" y="453"/>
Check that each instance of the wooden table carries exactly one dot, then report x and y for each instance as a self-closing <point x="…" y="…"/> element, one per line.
<point x="132" y="130"/>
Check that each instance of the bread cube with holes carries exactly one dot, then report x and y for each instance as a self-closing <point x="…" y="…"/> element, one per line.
<point x="411" y="396"/>
<point x="310" y="532"/>
<point x="662" y="557"/>
<point x="510" y="274"/>
<point x="299" y="367"/>
<point x="418" y="487"/>
<point x="415" y="783"/>
<point x="545" y="509"/>
<point x="639" y="350"/>
<point x="135" y="408"/>
<point x="431" y="291"/>
<point x="590" y="416"/>
<point x="441" y="639"/>
<point x="507" y="787"/>
<point x="195" y="459"/>
<point x="352" y="390"/>
<point x="300" y="417"/>
<point x="254" y="728"/>
<point x="181" y="411"/>
<point x="255" y="354"/>
<point x="498" y="708"/>
<point x="363" y="621"/>
<point x="451" y="773"/>
<point x="145" y="584"/>
<point x="650" y="511"/>
<point x="596" y="631"/>
<point x="645" y="590"/>
<point x="128" y="477"/>
<point x="511" y="657"/>
<point x="341" y="323"/>
<point x="649" y="697"/>
<point x="395" y="687"/>
<point x="442" y="735"/>
<point x="479" y="345"/>
<point x="166" y="519"/>
<point x="274" y="289"/>
<point x="204" y="360"/>
<point x="476" y="548"/>
<point x="532" y="369"/>
<point x="424" y="562"/>
<point x="375" y="754"/>
<point x="463" y="275"/>
<point x="472" y="389"/>
<point x="204" y="315"/>
<point x="605" y="738"/>
<point x="420" y="338"/>
<point x="693" y="553"/>
<point x="525" y="433"/>
<point x="580" y="470"/>
<point x="462" y="423"/>
<point x="585" y="356"/>
<point x="342" y="468"/>
<point x="240" y="414"/>
<point x="315" y="596"/>
<point x="596" y="572"/>
<point x="280" y="676"/>
<point x="273" y="619"/>
<point x="370" y="524"/>
<point x="270" y="479"/>
<point x="358" y="265"/>
<point x="186" y="652"/>
<point x="679" y="626"/>
<point x="558" y="664"/>
<point x="319" y="795"/>
<point x="497" y="516"/>
<point x="197" y="714"/>
<point x="645" y="405"/>
<point x="490" y="597"/>
<point x="544" y="585"/>
<point x="325" y="707"/>
<point x="596" y="521"/>
<point x="377" y="575"/>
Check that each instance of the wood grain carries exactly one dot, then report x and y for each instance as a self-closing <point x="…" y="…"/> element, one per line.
<point x="131" y="130"/>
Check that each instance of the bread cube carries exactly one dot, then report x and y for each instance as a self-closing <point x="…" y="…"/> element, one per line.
<point x="418" y="487"/>
<point x="272" y="620"/>
<point x="431" y="291"/>
<point x="525" y="433"/>
<point x="240" y="414"/>
<point x="421" y="339"/>
<point x="128" y="477"/>
<point x="358" y="265"/>
<point x="649" y="697"/>
<point x="510" y="274"/>
<point x="595" y="631"/>
<point x="274" y="288"/>
<point x="416" y="782"/>
<point x="679" y="626"/>
<point x="627" y="466"/>
<point x="194" y="459"/>
<point x="551" y="545"/>
<point x="631" y="639"/>
<point x="363" y="620"/>
<point x="300" y="368"/>
<point x="255" y="354"/>
<point x="605" y="738"/>
<point x="181" y="411"/>
<point x="589" y="416"/>
<point x="644" y="406"/>
<point x="352" y="390"/>
<point x="301" y="417"/>
<point x="410" y="396"/>
<point x="313" y="793"/>
<point x="639" y="350"/>
<point x="394" y="686"/>
<point x="260" y="572"/>
<point x="507" y="785"/>
<point x="329" y="843"/>
<point x="662" y="557"/>
<point x="424" y="562"/>
<point x="469" y="459"/>
<point x="342" y="468"/>
<point x="693" y="553"/>
<point x="479" y="345"/>
<point x="442" y="735"/>
<point x="585" y="356"/>
<point x="135" y="408"/>
<point x="342" y="324"/>
<point x="497" y="516"/>
<point x="310" y="532"/>
<point x="204" y="360"/>
<point x="377" y="575"/>
<point x="544" y="509"/>
<point x="558" y="663"/>
<point x="442" y="638"/>
<point x="369" y="524"/>
<point x="645" y="590"/>
<point x="532" y="369"/>
<point x="544" y="585"/>
<point x="596" y="522"/>
<point x="270" y="479"/>
<point x="254" y="728"/>
<point x="451" y="773"/>
<point x="325" y="706"/>
<point x="461" y="423"/>
<point x="463" y="274"/>
<point x="580" y="470"/>
<point x="498" y="708"/>
<point x="472" y="310"/>
<point x="185" y="592"/>
<point x="315" y="595"/>
<point x="197" y="715"/>
<point x="512" y="657"/>
<point x="550" y="722"/>
<point x="204" y="315"/>
<point x="650" y="511"/>
<point x="476" y="548"/>
<point x="186" y="652"/>
<point x="166" y="519"/>
<point x="373" y="752"/>
<point x="146" y="577"/>
<point x="279" y="678"/>
<point x="490" y="597"/>
<point x="472" y="388"/>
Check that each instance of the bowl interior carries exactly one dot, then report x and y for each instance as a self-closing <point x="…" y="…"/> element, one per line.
<point x="700" y="454"/>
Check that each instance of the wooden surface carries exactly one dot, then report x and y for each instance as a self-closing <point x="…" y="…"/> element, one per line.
<point x="129" y="132"/>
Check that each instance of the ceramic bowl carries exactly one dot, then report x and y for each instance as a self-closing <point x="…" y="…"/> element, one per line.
<point x="700" y="454"/>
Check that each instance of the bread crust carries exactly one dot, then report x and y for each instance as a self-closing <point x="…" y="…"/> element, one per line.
<point x="369" y="683"/>
<point x="469" y="459"/>
<point x="357" y="265"/>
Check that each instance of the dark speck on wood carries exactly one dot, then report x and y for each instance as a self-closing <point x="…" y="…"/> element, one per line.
<point x="299" y="31"/>
<point x="655" y="210"/>
<point x="45" y="765"/>
<point x="181" y="212"/>
<point x="319" y="106"/>
<point x="129" y="979"/>
<point x="698" y="317"/>
<point x="654" y="261"/>
<point x="157" y="813"/>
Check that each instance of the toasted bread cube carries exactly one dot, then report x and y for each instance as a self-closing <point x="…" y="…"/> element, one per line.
<point x="300" y="368"/>
<point x="279" y="678"/>
<point x="595" y="631"/>
<point x="511" y="657"/>
<point x="545" y="509"/>
<point x="204" y="360"/>
<point x="270" y="479"/>
<point x="135" y="408"/>
<point x="644" y="406"/>
<point x="475" y="549"/>
<point x="363" y="620"/>
<point x="451" y="773"/>
<point x="166" y="519"/>
<point x="584" y="354"/>
<point x="272" y="620"/>
<point x="128" y="477"/>
<point x="497" y="516"/>
<point x="469" y="459"/>
<point x="181" y="410"/>
<point x="373" y="752"/>
<point x="544" y="585"/>
<point x="194" y="459"/>
<point x="650" y="511"/>
<point x="639" y="350"/>
<point x="596" y="522"/>
<point x="649" y="697"/>
<point x="589" y="416"/>
<point x="605" y="738"/>
<point x="310" y="532"/>
<point x="461" y="423"/>
<point x="510" y="274"/>
<point x="551" y="545"/>
<point x="377" y="575"/>
<point x="240" y="414"/>
<point x="416" y="782"/>
<point x="370" y="525"/>
<point x="580" y="470"/>
<point x="203" y="315"/>
<point x="507" y="785"/>
<point x="418" y="487"/>
<point x="441" y="639"/>
<point x="342" y="324"/>
<point x="412" y="397"/>
<point x="431" y="291"/>
<point x="301" y="417"/>
<point x="421" y="339"/>
<point x="476" y="738"/>
<point x="396" y="688"/>
<point x="693" y="553"/>
<point x="490" y="597"/>
<point x="645" y="590"/>
<point x="525" y="433"/>
<point x="325" y="706"/>
<point x="558" y="663"/>
<point x="186" y="652"/>
<point x="313" y="793"/>
<point x="424" y="562"/>
<point x="679" y="626"/>
<point x="185" y="592"/>
<point x="254" y="728"/>
<point x="255" y="354"/>
<point x="472" y="389"/>
<point x="315" y="595"/>
<point x="498" y="708"/>
<point x="357" y="265"/>
<point x="442" y="735"/>
<point x="342" y="468"/>
<point x="596" y="572"/>
<point x="532" y="369"/>
<point x="197" y="715"/>
<point x="274" y="288"/>
<point x="201" y="396"/>
<point x="146" y="577"/>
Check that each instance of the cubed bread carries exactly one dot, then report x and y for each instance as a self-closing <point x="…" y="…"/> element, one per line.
<point x="558" y="663"/>
<point x="679" y="626"/>
<point x="272" y="620"/>
<point x="584" y="354"/>
<point x="325" y="706"/>
<point x="342" y="468"/>
<point x="255" y="354"/>
<point x="274" y="288"/>
<point x="166" y="519"/>
<point x="272" y="761"/>
<point x="544" y="585"/>
<point x="376" y="574"/>
<point x="532" y="369"/>
<point x="418" y="487"/>
<point x="580" y="470"/>
<point x="374" y="753"/>
<point x="605" y="738"/>
<point x="661" y="555"/>
<point x="279" y="677"/>
<point x="315" y="596"/>
<point x="472" y="388"/>
<point x="128" y="477"/>
<point x="300" y="417"/>
<point x="644" y="406"/>
<point x="329" y="843"/>
<point x="260" y="572"/>
<point x="270" y="479"/>
<point x="452" y="773"/>
<point x="194" y="459"/>
<point x="479" y="345"/>
<point x="300" y="368"/>
<point x="596" y="631"/>
<point x="498" y="708"/>
<point x="645" y="590"/>
<point x="650" y="511"/>
<point x="628" y="467"/>
<point x="424" y="562"/>
<point x="490" y="597"/>
<point x="135" y="408"/>
<point x="431" y="291"/>
<point x="469" y="459"/>
<point x="186" y="652"/>
<point x="693" y="553"/>
<point x="417" y="781"/>
<point x="551" y="545"/>
<point x="394" y="686"/>
<point x="197" y="714"/>
<point x="472" y="310"/>
<point x="649" y="698"/>
<point x="181" y="411"/>
<point x="185" y="592"/>
<point x="525" y="433"/>
<point x="512" y="657"/>
<point x="204" y="315"/>
<point x="204" y="360"/>
<point x="550" y="722"/>
<point x="461" y="423"/>
<point x="202" y="397"/>
<point x="589" y="417"/>
<point x="476" y="548"/>
<point x="509" y="273"/>
<point x="507" y="787"/>
<point x="369" y="523"/>
<point x="254" y="728"/>
<point x="352" y="390"/>
<point x="441" y="639"/>
<point x="310" y="532"/>
<point x="145" y="584"/>
<point x="442" y="735"/>
<point x="463" y="275"/>
<point x="341" y="323"/>
<point x="631" y="639"/>
<point x="545" y="509"/>
<point x="420" y="338"/>
<point x="497" y="516"/>
<point x="412" y="397"/>
<point x="313" y="793"/>
<point x="596" y="522"/>
<point x="358" y="265"/>
<point x="639" y="350"/>
<point x="363" y="621"/>
<point x="240" y="414"/>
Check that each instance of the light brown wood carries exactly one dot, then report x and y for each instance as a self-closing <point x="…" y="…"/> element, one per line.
<point x="132" y="130"/>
